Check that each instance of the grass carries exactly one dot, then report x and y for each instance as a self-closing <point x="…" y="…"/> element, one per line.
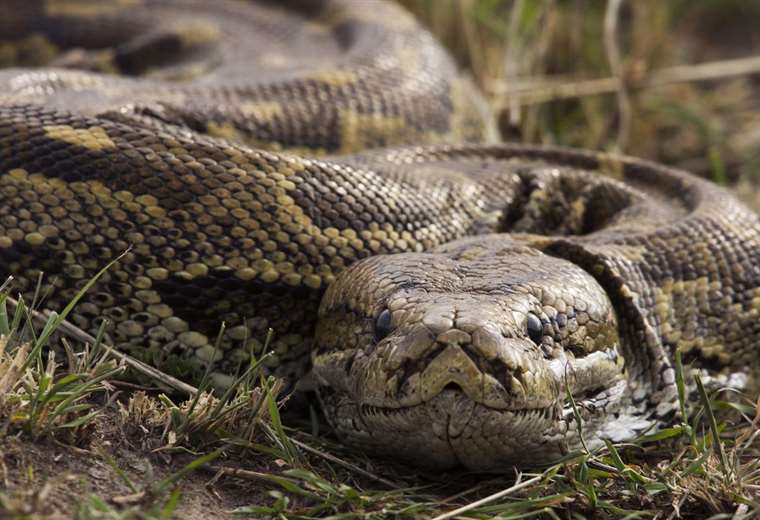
<point x="35" y="395"/>
<point x="156" y="500"/>
<point x="707" y="465"/>
<point x="516" y="49"/>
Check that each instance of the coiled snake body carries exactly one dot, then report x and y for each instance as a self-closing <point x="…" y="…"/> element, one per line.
<point x="211" y="140"/>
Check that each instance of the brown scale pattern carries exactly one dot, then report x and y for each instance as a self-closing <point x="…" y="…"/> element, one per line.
<point x="217" y="232"/>
<point x="678" y="259"/>
<point x="194" y="136"/>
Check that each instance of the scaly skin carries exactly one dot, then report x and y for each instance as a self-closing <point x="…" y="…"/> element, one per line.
<point x="221" y="230"/>
<point x="431" y="357"/>
<point x="458" y="379"/>
<point x="468" y="287"/>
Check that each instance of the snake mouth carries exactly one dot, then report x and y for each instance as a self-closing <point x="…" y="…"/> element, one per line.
<point x="586" y="399"/>
<point x="451" y="429"/>
<point x="514" y="383"/>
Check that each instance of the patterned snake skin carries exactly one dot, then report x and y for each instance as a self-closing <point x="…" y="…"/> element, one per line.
<point x="212" y="140"/>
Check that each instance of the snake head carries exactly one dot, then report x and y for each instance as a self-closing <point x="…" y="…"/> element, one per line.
<point x="467" y="355"/>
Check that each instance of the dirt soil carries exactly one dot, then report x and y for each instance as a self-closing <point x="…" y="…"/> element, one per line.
<point x="49" y="479"/>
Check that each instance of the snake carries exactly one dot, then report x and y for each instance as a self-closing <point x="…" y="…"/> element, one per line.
<point x="323" y="170"/>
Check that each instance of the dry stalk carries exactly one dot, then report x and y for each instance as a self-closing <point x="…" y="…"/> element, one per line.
<point x="530" y="91"/>
<point x="615" y="60"/>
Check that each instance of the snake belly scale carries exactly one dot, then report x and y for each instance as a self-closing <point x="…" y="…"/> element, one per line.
<point x="321" y="168"/>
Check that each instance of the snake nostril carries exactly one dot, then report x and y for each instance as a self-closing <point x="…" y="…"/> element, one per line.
<point x="577" y="351"/>
<point x="453" y="386"/>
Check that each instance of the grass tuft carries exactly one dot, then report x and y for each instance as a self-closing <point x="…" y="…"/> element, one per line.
<point x="40" y="398"/>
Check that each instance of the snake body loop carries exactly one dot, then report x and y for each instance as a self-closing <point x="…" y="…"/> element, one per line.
<point x="322" y="169"/>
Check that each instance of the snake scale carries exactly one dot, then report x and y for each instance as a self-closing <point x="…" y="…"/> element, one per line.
<point x="321" y="168"/>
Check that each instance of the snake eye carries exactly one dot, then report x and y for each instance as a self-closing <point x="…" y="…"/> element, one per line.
<point x="383" y="325"/>
<point x="535" y="328"/>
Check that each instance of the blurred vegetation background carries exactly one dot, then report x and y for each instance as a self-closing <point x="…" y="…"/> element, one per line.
<point x="675" y="81"/>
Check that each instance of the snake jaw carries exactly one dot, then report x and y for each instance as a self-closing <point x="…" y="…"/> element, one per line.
<point x="454" y="425"/>
<point x="515" y="381"/>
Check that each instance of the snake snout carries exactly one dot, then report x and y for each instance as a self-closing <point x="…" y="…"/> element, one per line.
<point x="483" y="364"/>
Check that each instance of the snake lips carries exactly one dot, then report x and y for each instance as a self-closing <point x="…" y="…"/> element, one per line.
<point x="434" y="358"/>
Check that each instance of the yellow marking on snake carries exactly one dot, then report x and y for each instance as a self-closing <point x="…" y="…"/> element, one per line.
<point x="611" y="167"/>
<point x="335" y="15"/>
<point x="196" y="34"/>
<point x="671" y="298"/>
<point x="336" y="78"/>
<point x="111" y="204"/>
<point x="263" y="111"/>
<point x="275" y="59"/>
<point x="92" y="138"/>
<point x="226" y="130"/>
<point x="360" y="131"/>
<point x="78" y="8"/>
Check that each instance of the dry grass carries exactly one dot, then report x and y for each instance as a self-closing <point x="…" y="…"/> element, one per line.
<point x="670" y="81"/>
